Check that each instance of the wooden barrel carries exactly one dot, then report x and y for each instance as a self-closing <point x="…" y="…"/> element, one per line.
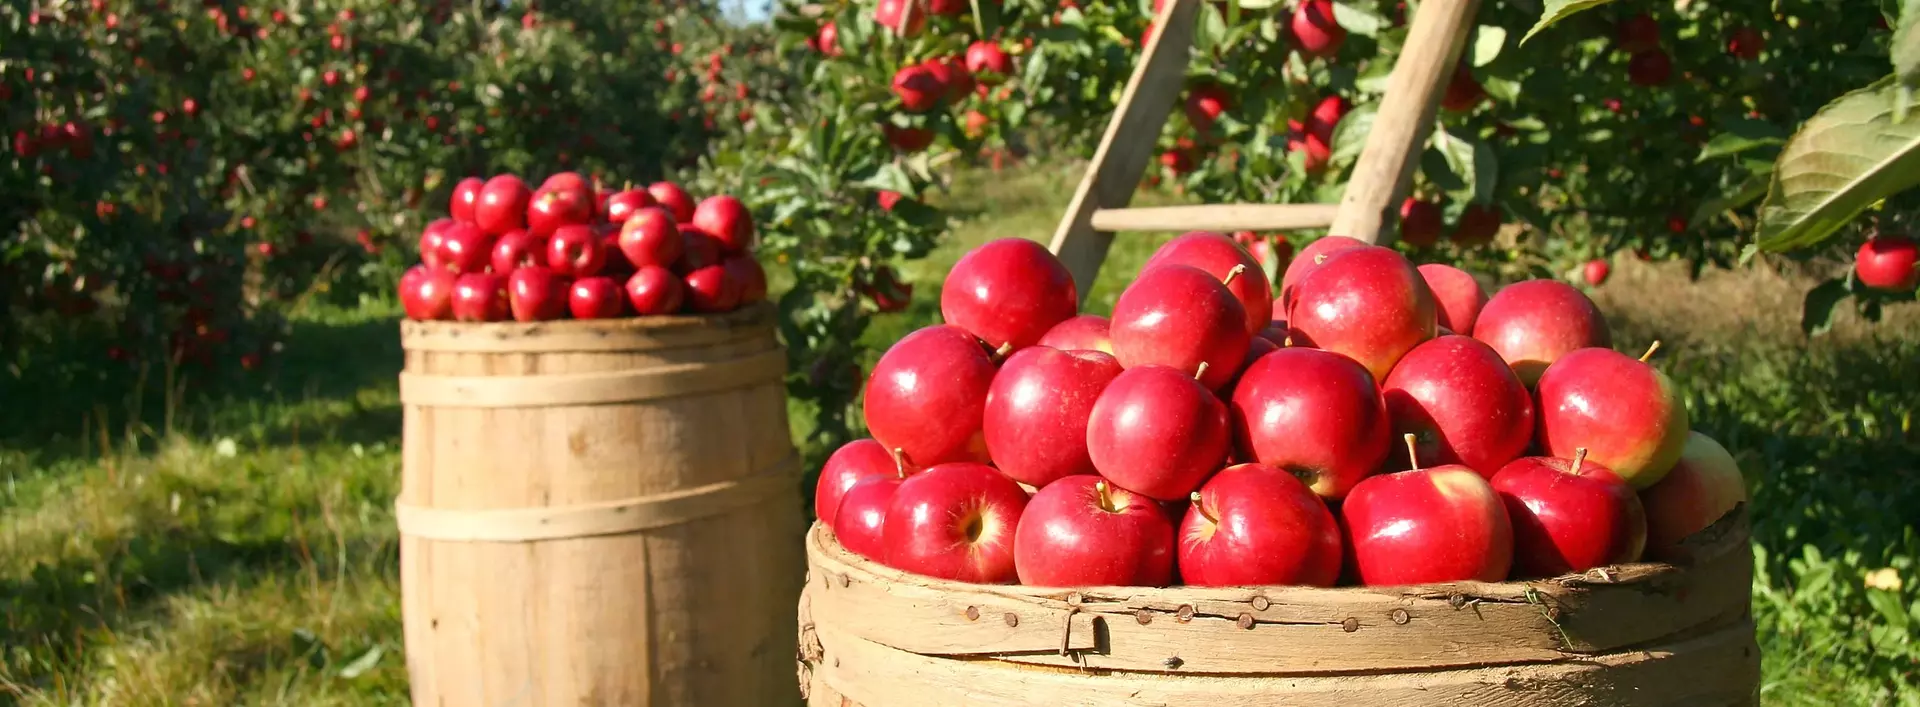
<point x="1641" y="634"/>
<point x="598" y="512"/>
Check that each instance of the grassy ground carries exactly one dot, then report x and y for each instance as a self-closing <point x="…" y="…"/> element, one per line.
<point x="251" y="559"/>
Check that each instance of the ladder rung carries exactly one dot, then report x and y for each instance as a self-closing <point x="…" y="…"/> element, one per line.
<point x="1216" y="217"/>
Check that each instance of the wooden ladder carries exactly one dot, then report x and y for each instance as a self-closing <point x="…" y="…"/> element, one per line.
<point x="1380" y="177"/>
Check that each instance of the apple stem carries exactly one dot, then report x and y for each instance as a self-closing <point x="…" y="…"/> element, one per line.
<point x="1319" y="258"/>
<point x="1000" y="354"/>
<point x="1579" y="456"/>
<point x="1201" y="509"/>
<point x="1413" y="456"/>
<point x="900" y="462"/>
<point x="1231" y="274"/>
<point x="1104" y="494"/>
<point x="1201" y="371"/>
<point x="1650" y="350"/>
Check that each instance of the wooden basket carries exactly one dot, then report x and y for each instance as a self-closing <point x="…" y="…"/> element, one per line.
<point x="1641" y="634"/>
<point x="598" y="512"/>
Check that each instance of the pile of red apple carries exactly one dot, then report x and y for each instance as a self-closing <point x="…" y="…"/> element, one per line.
<point x="569" y="249"/>
<point x="1376" y="423"/>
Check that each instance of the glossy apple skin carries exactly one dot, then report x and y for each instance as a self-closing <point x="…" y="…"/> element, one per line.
<point x="503" y="205"/>
<point x="622" y="205"/>
<point x="1531" y="324"/>
<point x="1157" y="431"/>
<point x="1085" y="332"/>
<point x="1216" y="254"/>
<point x="466" y="195"/>
<point x="744" y="269"/>
<point x="654" y="290"/>
<point x="552" y="208"/>
<point x="728" y="220"/>
<point x="860" y="518"/>
<point x="1310" y="258"/>
<point x="674" y="199"/>
<point x="1890" y="263"/>
<point x="1462" y="403"/>
<point x="576" y="251"/>
<point x="1627" y="414"/>
<point x="1457" y="294"/>
<point x="1070" y="536"/>
<point x="464" y="248"/>
<point x="955" y="521"/>
<point x="1568" y="518"/>
<point x="1595" y="272"/>
<point x="649" y="236"/>
<point x="1008" y="291"/>
<point x="432" y="240"/>
<point x="1438" y="524"/>
<point x="698" y="249"/>
<point x="848" y="464"/>
<point x="1180" y="316"/>
<point x="1314" y="414"/>
<point x="480" y="297"/>
<point x="596" y="298"/>
<point x="1258" y="525"/>
<point x="710" y="290"/>
<point x="927" y="395"/>
<point x="566" y="180"/>
<point x="536" y="294"/>
<point x="1368" y="303"/>
<point x="517" y="249"/>
<point x="427" y="293"/>
<point x="1702" y="488"/>
<point x="1037" y="410"/>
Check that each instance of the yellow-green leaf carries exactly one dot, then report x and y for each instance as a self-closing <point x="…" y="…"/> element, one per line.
<point x="1557" y="10"/>
<point x="1848" y="156"/>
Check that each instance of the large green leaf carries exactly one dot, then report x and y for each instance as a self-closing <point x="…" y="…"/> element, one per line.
<point x="1905" y="53"/>
<point x="1557" y="10"/>
<point x="1848" y="156"/>
<point x="1740" y="136"/>
<point x="1753" y="188"/>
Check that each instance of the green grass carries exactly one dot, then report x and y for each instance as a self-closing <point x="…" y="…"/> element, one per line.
<point x="249" y="557"/>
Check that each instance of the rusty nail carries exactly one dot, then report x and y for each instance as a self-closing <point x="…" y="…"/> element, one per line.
<point x="973" y="613"/>
<point x="836" y="661"/>
<point x="1350" y="625"/>
<point x="1400" y="616"/>
<point x="1143" y="616"/>
<point x="1245" y="622"/>
<point x="1185" y="613"/>
<point x="1459" y="601"/>
<point x="1261" y="603"/>
<point x="1012" y="620"/>
<point x="1173" y="663"/>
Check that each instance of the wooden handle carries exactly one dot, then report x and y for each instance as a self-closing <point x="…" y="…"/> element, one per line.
<point x="1385" y="169"/>
<point x="1236" y="217"/>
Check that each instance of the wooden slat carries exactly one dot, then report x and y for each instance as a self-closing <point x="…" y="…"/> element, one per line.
<point x="1385" y="169"/>
<point x="1128" y="145"/>
<point x="1235" y="217"/>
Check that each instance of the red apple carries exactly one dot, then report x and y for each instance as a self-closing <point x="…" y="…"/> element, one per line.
<point x="918" y="88"/>
<point x="674" y="199"/>
<point x="1008" y="292"/>
<point x="886" y="290"/>
<point x="1420" y="222"/>
<point x="1649" y="68"/>
<point x="1315" y="32"/>
<point x="1478" y="224"/>
<point x="1464" y="92"/>
<point x="1702" y="487"/>
<point x="655" y="290"/>
<point x="576" y="251"/>
<point x="466" y="195"/>
<point x="1037" y="409"/>
<point x="1889" y="263"/>
<point x="1182" y="317"/>
<point x="1326" y="116"/>
<point x="1315" y="414"/>
<point x="1310" y="258"/>
<point x="744" y="269"/>
<point x="1626" y="413"/>
<point x="1595" y="272"/>
<point x="1217" y="255"/>
<point x="905" y="17"/>
<point x="698" y="249"/>
<point x="955" y="521"/>
<point x="1157" y="431"/>
<point x="517" y="249"/>
<point x="728" y="220"/>
<point x="553" y="208"/>
<point x="535" y="294"/>
<point x="480" y="297"/>
<point x="860" y="520"/>
<point x="927" y="396"/>
<point x="1084" y="332"/>
<point x="649" y="236"/>
<point x="848" y="464"/>
<point x="1441" y="524"/>
<point x="1745" y="43"/>
<point x="1532" y="324"/>
<point x="432" y="240"/>
<point x="427" y="293"/>
<point x="1457" y="294"/>
<point x="984" y="57"/>
<point x="622" y="205"/>
<point x="1637" y="33"/>
<point x="1463" y="404"/>
<point x="711" y="290"/>
<point x="1367" y="303"/>
<point x="596" y="298"/>
<point x="1082" y="532"/>
<point x="464" y="248"/>
<point x="1569" y="515"/>
<point x="1252" y="524"/>
<point x="503" y="205"/>
<point x="567" y="180"/>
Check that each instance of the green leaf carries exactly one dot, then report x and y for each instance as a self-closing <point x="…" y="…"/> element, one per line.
<point x="1350" y="134"/>
<point x="1264" y="4"/>
<point x="1557" y="10"/>
<point x="1888" y="604"/>
<point x="1905" y="51"/>
<point x="1844" y="159"/>
<point x="1816" y="313"/>
<point x="1356" y="20"/>
<point x="1753" y="188"/>
<point x="1486" y="173"/>
<point x="1487" y="42"/>
<point x="1459" y="155"/>
<point x="1740" y="136"/>
<point x="364" y="663"/>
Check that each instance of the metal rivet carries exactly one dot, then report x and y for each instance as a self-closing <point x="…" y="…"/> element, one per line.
<point x="1185" y="613"/>
<point x="1261" y="603"/>
<point x="1350" y="625"/>
<point x="1400" y="616"/>
<point x="1012" y="620"/>
<point x="973" y="613"/>
<point x="1458" y="601"/>
<point x="1245" y="622"/>
<point x="846" y="580"/>
<point x="1173" y="663"/>
<point x="1075" y="599"/>
<point x="1143" y="616"/>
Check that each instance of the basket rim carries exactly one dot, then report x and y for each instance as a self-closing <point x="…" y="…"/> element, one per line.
<point x="640" y="333"/>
